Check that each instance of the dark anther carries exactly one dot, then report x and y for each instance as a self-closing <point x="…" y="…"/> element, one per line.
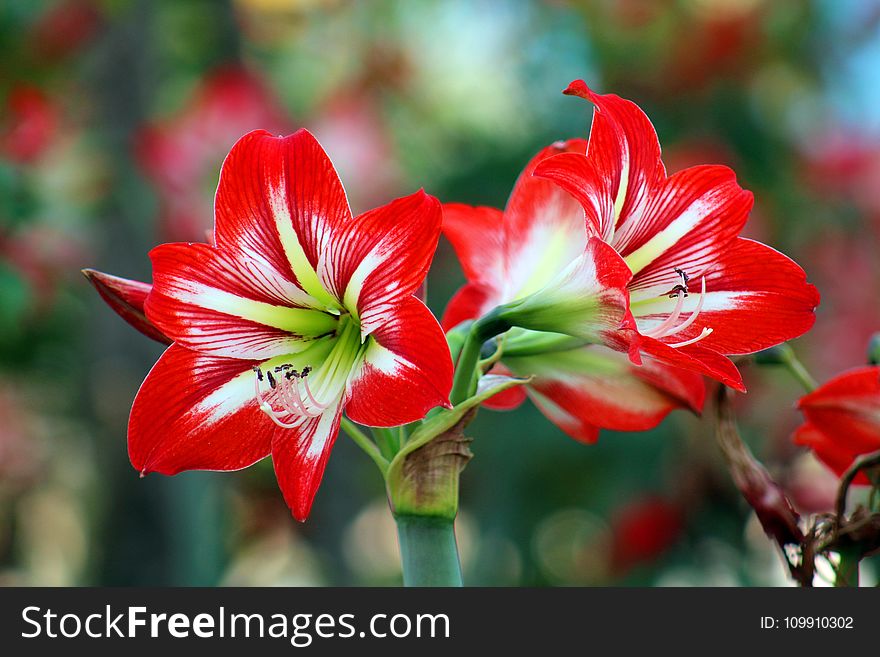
<point x="290" y="374"/>
<point x="683" y="274"/>
<point x="271" y="380"/>
<point x="256" y="368"/>
<point x="681" y="287"/>
<point x="306" y="370"/>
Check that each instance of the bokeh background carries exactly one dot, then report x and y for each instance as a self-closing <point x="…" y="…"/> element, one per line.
<point x="115" y="117"/>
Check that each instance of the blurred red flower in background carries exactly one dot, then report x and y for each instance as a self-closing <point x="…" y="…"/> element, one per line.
<point x="843" y="419"/>
<point x="643" y="530"/>
<point x="181" y="154"/>
<point x="30" y="124"/>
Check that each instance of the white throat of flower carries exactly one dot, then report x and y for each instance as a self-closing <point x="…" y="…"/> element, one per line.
<point x="287" y="395"/>
<point x="668" y="327"/>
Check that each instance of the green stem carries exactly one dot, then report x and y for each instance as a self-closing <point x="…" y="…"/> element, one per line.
<point x="428" y="551"/>
<point x="362" y="441"/>
<point x="848" y="569"/>
<point x="466" y="369"/>
<point x="796" y="368"/>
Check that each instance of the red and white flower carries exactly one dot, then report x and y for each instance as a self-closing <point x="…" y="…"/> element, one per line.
<point x="521" y="254"/>
<point x="627" y="261"/>
<point x="296" y="312"/>
<point x="843" y="419"/>
<point x="699" y="292"/>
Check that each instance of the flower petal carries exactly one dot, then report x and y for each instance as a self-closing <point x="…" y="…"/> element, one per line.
<point x="575" y="173"/>
<point x="624" y="152"/>
<point x="383" y="257"/>
<point x="756" y="298"/>
<point x="407" y="369"/>
<point x="688" y="223"/>
<point x="300" y="457"/>
<point x="197" y="412"/>
<point x="506" y="400"/>
<point x="588" y="300"/>
<point x="278" y="203"/>
<point x="472" y="301"/>
<point x="828" y="450"/>
<point x="478" y="237"/>
<point x="847" y="409"/>
<point x="583" y="389"/>
<point x="695" y="358"/>
<point x="126" y="298"/>
<point x="206" y="299"/>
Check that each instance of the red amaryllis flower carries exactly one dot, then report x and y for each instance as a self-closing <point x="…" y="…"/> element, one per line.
<point x="843" y="419"/>
<point x="519" y="254"/>
<point x="296" y="311"/>
<point x="699" y="292"/>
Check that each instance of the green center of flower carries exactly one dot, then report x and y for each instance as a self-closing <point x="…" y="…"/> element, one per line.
<point x="303" y="385"/>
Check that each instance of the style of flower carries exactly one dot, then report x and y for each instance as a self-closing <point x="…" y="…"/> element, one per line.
<point x="842" y="419"/>
<point x="295" y="312"/>
<point x="625" y="285"/>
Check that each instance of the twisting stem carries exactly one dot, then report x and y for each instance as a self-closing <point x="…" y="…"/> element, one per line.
<point x="362" y="441"/>
<point x="428" y="551"/>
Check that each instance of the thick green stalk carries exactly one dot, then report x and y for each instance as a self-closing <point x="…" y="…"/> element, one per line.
<point x="796" y="368"/>
<point x="466" y="369"/>
<point x="428" y="551"/>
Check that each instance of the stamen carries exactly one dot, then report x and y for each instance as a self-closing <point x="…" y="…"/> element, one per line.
<point x="690" y="320"/>
<point x="705" y="333"/>
<point x="669" y="322"/>
<point x="291" y="398"/>
<point x="667" y="328"/>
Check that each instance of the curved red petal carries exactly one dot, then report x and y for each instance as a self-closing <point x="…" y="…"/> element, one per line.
<point x="407" y="370"/>
<point x="755" y="298"/>
<point x="696" y="359"/>
<point x="197" y="412"/>
<point x="477" y="235"/>
<point x="593" y="386"/>
<point x="384" y="255"/>
<point x="126" y="298"/>
<point x="574" y="173"/>
<point x="690" y="221"/>
<point x="300" y="455"/>
<point x="209" y="300"/>
<point x="623" y="150"/>
<point x="506" y="400"/>
<point x="536" y="204"/>
<point x="829" y="450"/>
<point x="847" y="410"/>
<point x="472" y="301"/>
<point x="278" y="203"/>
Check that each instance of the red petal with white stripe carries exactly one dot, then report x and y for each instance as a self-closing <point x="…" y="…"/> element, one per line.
<point x="755" y="298"/>
<point x="383" y="256"/>
<point x="197" y="412"/>
<point x="406" y="371"/>
<point x="689" y="222"/>
<point x="595" y="387"/>
<point x="300" y="458"/>
<point x="212" y="301"/>
<point x="278" y="203"/>
<point x="624" y="151"/>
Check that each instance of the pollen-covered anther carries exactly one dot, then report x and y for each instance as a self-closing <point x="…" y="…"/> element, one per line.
<point x="293" y="398"/>
<point x="669" y="326"/>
